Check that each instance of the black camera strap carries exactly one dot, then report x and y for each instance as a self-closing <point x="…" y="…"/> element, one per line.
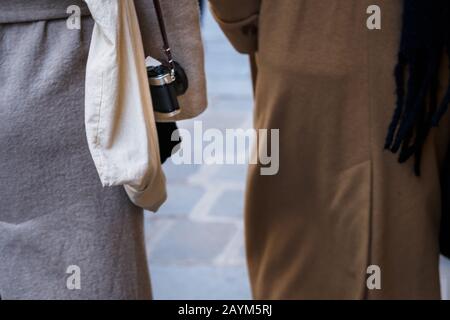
<point x="165" y="38"/>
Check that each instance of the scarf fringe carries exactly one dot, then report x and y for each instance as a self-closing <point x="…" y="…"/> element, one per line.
<point x="417" y="109"/>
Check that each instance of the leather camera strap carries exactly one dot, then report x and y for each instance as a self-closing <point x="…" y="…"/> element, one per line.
<point x="162" y="27"/>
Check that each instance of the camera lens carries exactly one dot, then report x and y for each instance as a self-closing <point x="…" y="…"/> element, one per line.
<point x="156" y="71"/>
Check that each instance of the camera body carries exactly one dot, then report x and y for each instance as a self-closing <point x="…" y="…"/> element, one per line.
<point x="166" y="85"/>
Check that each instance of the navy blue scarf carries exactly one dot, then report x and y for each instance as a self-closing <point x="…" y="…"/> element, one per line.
<point x="425" y="39"/>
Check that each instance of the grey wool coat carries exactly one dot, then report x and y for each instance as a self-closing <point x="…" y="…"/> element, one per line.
<point x="340" y="204"/>
<point x="56" y="220"/>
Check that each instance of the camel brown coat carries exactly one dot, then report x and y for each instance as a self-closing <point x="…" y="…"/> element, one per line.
<point x="339" y="203"/>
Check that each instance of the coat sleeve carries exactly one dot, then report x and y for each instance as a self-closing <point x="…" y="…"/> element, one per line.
<point x="183" y="29"/>
<point x="239" y="21"/>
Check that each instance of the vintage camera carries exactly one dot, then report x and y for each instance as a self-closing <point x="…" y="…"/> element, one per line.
<point x="166" y="85"/>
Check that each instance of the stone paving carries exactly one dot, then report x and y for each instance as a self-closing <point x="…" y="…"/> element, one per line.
<point x="195" y="242"/>
<point x="445" y="278"/>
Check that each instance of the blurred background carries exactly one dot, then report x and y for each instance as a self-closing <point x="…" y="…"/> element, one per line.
<point x="195" y="242"/>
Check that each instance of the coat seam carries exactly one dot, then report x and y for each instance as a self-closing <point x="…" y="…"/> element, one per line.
<point x="371" y="168"/>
